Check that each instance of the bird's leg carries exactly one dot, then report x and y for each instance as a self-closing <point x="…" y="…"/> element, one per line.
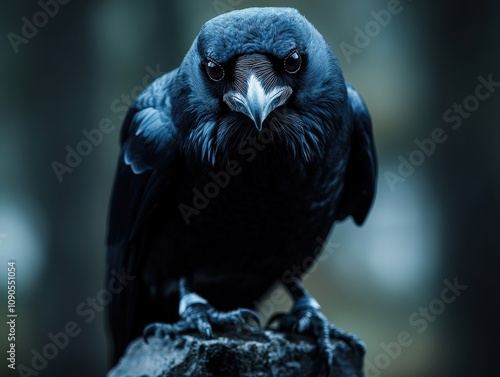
<point x="197" y="314"/>
<point x="306" y="317"/>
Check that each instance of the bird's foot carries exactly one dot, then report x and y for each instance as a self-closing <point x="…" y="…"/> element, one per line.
<point x="307" y="318"/>
<point x="198" y="315"/>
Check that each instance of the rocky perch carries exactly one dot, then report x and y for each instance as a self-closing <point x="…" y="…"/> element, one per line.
<point x="259" y="353"/>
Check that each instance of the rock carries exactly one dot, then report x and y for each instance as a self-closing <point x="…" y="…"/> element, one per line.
<point x="260" y="353"/>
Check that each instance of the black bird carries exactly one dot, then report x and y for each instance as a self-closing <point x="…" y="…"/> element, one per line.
<point x="231" y="168"/>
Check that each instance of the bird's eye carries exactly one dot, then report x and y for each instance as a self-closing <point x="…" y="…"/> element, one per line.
<point x="293" y="62"/>
<point x="214" y="70"/>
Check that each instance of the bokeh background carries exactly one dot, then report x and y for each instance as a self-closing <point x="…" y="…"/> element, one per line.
<point x="440" y="222"/>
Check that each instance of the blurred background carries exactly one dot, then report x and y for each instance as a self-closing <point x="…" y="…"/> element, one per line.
<point x="436" y="218"/>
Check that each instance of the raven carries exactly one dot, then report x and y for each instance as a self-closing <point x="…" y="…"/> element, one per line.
<point x="231" y="167"/>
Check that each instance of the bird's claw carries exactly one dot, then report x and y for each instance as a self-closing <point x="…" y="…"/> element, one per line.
<point x="249" y="315"/>
<point x="201" y="318"/>
<point x="148" y="331"/>
<point x="310" y="320"/>
<point x="162" y="329"/>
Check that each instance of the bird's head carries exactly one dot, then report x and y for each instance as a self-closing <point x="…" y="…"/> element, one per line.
<point x="260" y="73"/>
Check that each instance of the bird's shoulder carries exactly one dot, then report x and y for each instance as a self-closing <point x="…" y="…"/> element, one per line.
<point x="157" y="93"/>
<point x="149" y="136"/>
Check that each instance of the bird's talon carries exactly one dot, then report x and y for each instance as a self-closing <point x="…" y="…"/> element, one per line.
<point x="353" y="341"/>
<point x="310" y="319"/>
<point x="248" y="315"/>
<point x="207" y="331"/>
<point x="149" y="330"/>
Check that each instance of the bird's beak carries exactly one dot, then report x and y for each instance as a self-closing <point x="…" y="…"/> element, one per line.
<point x="257" y="104"/>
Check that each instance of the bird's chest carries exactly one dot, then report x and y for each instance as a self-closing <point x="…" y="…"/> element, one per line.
<point x="241" y="212"/>
<point x="232" y="224"/>
<point x="244" y="200"/>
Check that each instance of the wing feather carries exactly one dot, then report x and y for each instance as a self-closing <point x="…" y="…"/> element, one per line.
<point x="361" y="174"/>
<point x="149" y="150"/>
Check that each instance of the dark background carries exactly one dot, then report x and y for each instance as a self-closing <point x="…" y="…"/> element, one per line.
<point x="441" y="223"/>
